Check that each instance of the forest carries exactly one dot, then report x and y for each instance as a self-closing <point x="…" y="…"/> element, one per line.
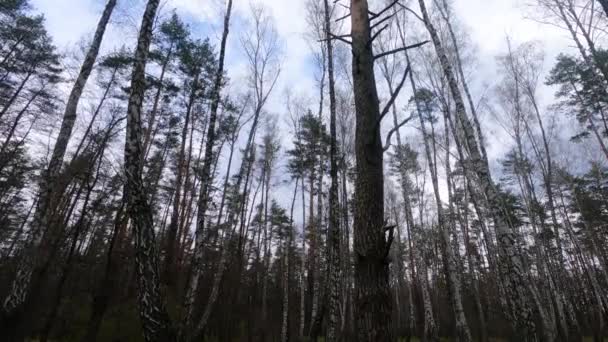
<point x="352" y="171"/>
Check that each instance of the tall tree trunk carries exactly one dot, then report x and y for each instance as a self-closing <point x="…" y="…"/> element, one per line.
<point x="111" y="275"/>
<point x="152" y="311"/>
<point x="469" y="247"/>
<point x="172" y="241"/>
<point x="510" y="264"/>
<point x="372" y="291"/>
<point x="333" y="243"/>
<point x="267" y="242"/>
<point x="465" y="86"/>
<point x="231" y="223"/>
<point x="106" y="92"/>
<point x="449" y="259"/>
<point x="303" y="265"/>
<point x="79" y="228"/>
<point x="206" y="178"/>
<point x="38" y="248"/>
<point x="286" y="254"/>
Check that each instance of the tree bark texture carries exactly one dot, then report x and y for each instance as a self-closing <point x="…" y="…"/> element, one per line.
<point x="152" y="311"/>
<point x="373" y="300"/>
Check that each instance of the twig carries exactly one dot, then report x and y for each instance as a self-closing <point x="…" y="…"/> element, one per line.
<point x="411" y="11"/>
<point x="394" y="94"/>
<point x="344" y="17"/>
<point x="392" y="131"/>
<point x="333" y="36"/>
<point x="400" y="49"/>
<point x="392" y="100"/>
<point x="381" y="21"/>
<point x="378" y="33"/>
<point x="375" y="16"/>
<point x="389" y="241"/>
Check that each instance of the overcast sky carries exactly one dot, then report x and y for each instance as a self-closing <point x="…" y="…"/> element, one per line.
<point x="487" y="21"/>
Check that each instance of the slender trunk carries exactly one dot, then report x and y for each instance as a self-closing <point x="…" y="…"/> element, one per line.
<point x="406" y="191"/>
<point x="473" y="264"/>
<point x="286" y="254"/>
<point x="226" y="243"/>
<point x="172" y="241"/>
<point x="303" y="265"/>
<point x="312" y="260"/>
<point x="20" y="230"/>
<point x="148" y="136"/>
<point x="449" y="259"/>
<point x="16" y="121"/>
<point x="78" y="228"/>
<point x="153" y="314"/>
<point x="226" y="181"/>
<point x="267" y="242"/>
<point x="38" y="249"/>
<point x="465" y="86"/>
<point x="333" y="243"/>
<point x="206" y="179"/>
<point x="10" y="101"/>
<point x="346" y="256"/>
<point x="318" y="292"/>
<point x="511" y="264"/>
<point x="11" y="50"/>
<point x="110" y="278"/>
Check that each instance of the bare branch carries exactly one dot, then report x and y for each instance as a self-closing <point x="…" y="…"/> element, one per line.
<point x="392" y="131"/>
<point x="347" y="7"/>
<point x="378" y="33"/>
<point x="344" y="17"/>
<point x="400" y="49"/>
<point x="394" y="94"/>
<point x="412" y="11"/>
<point x="388" y="17"/>
<point x="334" y="37"/>
<point x="389" y="240"/>
<point x="392" y="99"/>
<point x="375" y="16"/>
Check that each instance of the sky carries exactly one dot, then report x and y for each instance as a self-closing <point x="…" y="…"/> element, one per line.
<point x="487" y="21"/>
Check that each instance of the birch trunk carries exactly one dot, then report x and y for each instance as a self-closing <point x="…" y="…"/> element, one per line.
<point x="206" y="179"/>
<point x="511" y="266"/>
<point x="38" y="248"/>
<point x="153" y="314"/>
<point x="449" y="260"/>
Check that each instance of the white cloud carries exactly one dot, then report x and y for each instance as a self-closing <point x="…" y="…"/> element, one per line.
<point x="487" y="21"/>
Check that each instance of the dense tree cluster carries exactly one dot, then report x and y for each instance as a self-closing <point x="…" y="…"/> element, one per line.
<point x="145" y="195"/>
